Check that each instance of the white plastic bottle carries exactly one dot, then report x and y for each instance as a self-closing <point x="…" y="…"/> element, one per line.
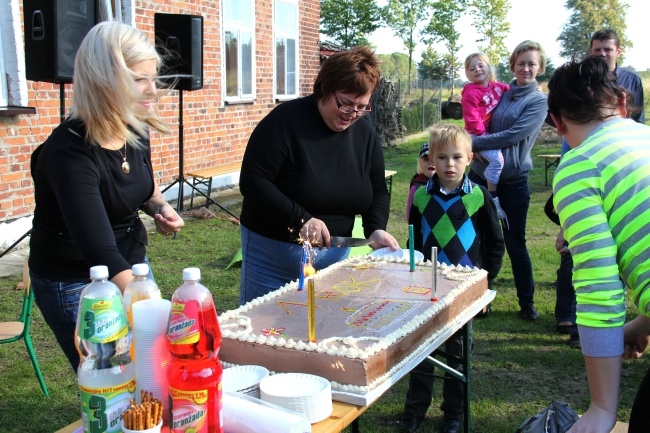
<point x="141" y="287"/>
<point x="106" y="374"/>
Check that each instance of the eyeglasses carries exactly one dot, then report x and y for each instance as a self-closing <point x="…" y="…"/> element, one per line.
<point x="349" y="110"/>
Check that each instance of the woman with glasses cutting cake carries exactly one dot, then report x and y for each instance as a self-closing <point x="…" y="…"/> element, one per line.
<point x="310" y="166"/>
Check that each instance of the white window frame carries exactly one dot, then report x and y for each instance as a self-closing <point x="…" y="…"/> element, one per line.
<point x="286" y="34"/>
<point x="4" y="90"/>
<point x="238" y="27"/>
<point x="13" y="92"/>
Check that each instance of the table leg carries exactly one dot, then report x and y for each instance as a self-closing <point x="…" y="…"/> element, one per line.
<point x="354" y="426"/>
<point x="467" y="353"/>
<point x="546" y="167"/>
<point x="389" y="184"/>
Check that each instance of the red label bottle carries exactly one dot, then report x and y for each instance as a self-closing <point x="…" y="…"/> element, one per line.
<point x="194" y="340"/>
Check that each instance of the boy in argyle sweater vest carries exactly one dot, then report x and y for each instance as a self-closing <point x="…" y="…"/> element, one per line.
<point x="459" y="218"/>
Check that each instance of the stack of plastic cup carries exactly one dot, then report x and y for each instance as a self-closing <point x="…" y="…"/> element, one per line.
<point x="245" y="414"/>
<point x="150" y="317"/>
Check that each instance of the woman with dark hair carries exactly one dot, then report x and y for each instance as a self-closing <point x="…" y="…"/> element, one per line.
<point x="602" y="194"/>
<point x="514" y="127"/>
<point x="310" y="166"/>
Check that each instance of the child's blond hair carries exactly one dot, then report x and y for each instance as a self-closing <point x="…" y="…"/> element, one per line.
<point x="442" y="134"/>
<point x="482" y="57"/>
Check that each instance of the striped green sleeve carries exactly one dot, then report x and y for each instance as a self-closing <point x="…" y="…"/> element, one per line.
<point x="579" y="199"/>
<point x="602" y="194"/>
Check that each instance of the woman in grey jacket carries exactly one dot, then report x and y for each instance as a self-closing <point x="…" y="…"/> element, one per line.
<point x="514" y="127"/>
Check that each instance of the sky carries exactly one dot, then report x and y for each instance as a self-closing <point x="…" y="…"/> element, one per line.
<point x="538" y="21"/>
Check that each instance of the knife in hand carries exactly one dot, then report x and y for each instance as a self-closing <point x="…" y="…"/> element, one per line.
<point x="343" y="241"/>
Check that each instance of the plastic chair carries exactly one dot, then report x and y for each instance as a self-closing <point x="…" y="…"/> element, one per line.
<point x="14" y="331"/>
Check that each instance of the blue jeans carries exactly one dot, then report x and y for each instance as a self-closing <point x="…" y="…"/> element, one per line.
<point x="59" y="304"/>
<point x="515" y="200"/>
<point x="268" y="264"/>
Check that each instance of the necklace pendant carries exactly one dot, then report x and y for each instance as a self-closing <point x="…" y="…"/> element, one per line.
<point x="126" y="167"/>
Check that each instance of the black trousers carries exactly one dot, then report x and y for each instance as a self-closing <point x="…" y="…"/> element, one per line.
<point x="420" y="392"/>
<point x="639" y="419"/>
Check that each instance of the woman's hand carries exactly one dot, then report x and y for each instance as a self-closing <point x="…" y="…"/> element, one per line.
<point x="636" y="336"/>
<point x="560" y="243"/>
<point x="381" y="238"/>
<point x="167" y="220"/>
<point x="316" y="233"/>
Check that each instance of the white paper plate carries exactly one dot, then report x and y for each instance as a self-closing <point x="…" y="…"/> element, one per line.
<point x="306" y="394"/>
<point x="242" y="377"/>
<point x="293" y="385"/>
<point x="398" y="254"/>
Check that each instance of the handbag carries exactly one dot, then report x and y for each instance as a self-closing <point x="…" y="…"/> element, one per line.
<point x="549" y="210"/>
<point x="557" y="417"/>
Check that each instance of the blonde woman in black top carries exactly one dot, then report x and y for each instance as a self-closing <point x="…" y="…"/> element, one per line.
<point x="93" y="174"/>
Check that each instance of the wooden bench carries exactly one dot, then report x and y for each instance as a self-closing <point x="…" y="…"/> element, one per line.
<point x="550" y="161"/>
<point x="202" y="182"/>
<point x="388" y="174"/>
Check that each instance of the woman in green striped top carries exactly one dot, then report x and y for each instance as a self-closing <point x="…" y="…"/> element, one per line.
<point x="602" y="195"/>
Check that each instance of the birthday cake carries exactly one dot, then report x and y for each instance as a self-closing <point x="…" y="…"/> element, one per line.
<point x="371" y="316"/>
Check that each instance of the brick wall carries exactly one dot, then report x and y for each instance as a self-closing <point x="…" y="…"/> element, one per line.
<point x="214" y="133"/>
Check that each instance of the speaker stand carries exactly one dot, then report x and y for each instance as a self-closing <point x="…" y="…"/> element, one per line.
<point x="181" y="181"/>
<point x="12" y="246"/>
<point x="62" y="101"/>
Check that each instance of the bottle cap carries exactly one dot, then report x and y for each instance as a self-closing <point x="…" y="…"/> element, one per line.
<point x="140" y="269"/>
<point x="191" y="274"/>
<point x="98" y="272"/>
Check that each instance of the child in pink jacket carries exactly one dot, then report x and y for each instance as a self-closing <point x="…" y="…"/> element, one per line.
<point x="479" y="97"/>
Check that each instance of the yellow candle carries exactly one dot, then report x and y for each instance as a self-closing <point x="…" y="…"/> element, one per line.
<point x="311" y="310"/>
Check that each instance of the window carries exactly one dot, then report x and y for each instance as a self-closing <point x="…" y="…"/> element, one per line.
<point x="286" y="44"/>
<point x="239" y="50"/>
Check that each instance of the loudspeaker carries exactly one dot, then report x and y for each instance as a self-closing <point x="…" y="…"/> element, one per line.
<point x="179" y="41"/>
<point x="54" y="30"/>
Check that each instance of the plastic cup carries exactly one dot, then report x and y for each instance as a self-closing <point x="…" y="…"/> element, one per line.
<point x="155" y="429"/>
<point x="150" y="316"/>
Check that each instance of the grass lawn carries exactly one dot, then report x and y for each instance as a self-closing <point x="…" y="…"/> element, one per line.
<point x="517" y="368"/>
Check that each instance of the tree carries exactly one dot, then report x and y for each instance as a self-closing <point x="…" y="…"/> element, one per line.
<point x="548" y="72"/>
<point x="442" y="28"/>
<point x="587" y="17"/>
<point x="432" y="66"/>
<point x="452" y="63"/>
<point x="404" y="18"/>
<point x="349" y="22"/>
<point x="490" y="20"/>
<point x="395" y="66"/>
<point x="503" y="72"/>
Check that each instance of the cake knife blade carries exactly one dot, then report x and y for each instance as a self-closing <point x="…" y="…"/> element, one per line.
<point x="344" y="241"/>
